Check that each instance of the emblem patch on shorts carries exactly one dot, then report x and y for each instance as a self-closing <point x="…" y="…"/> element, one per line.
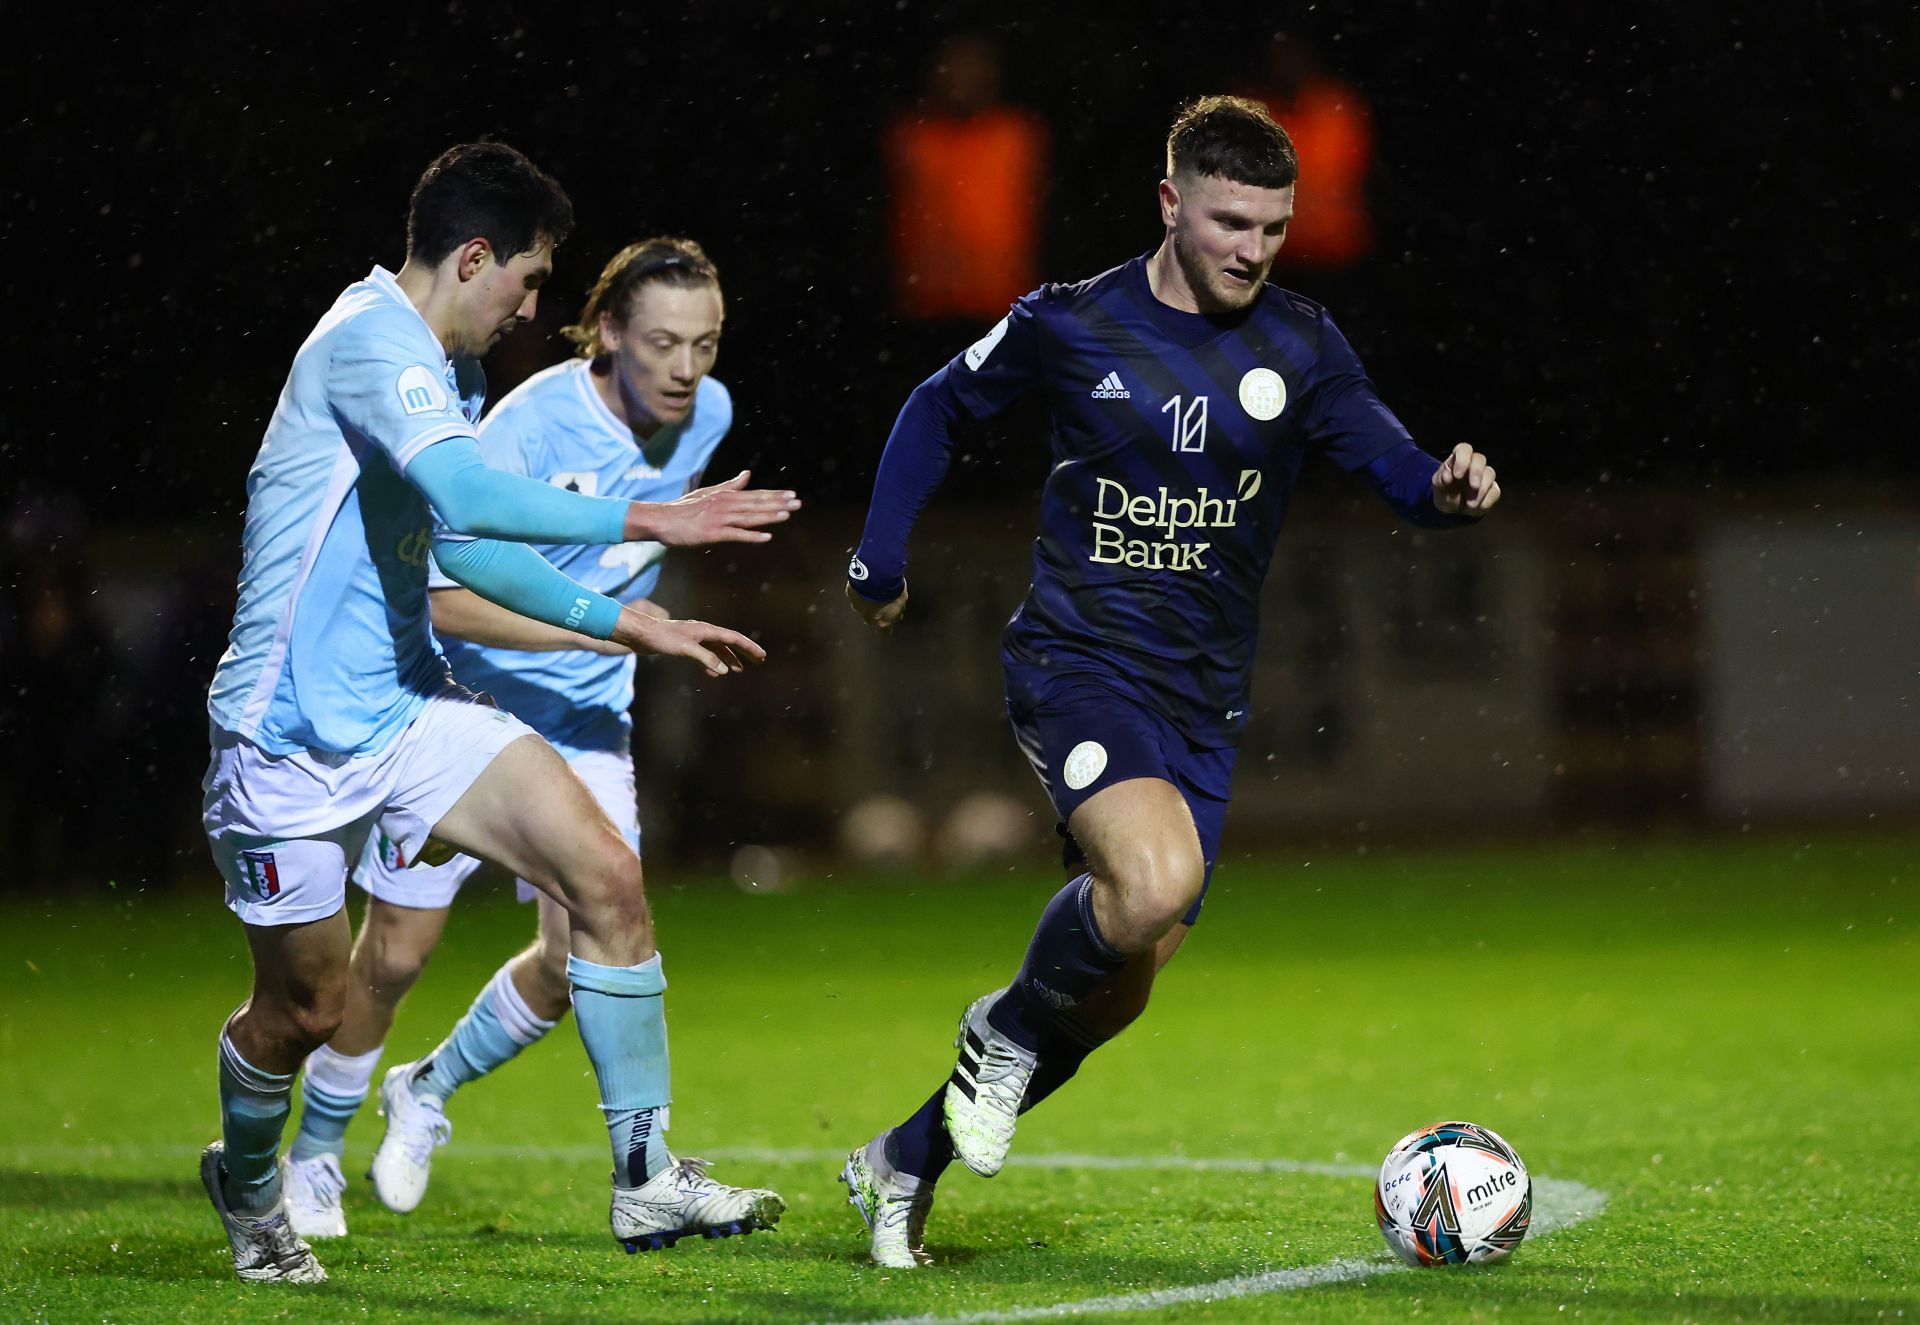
<point x="1085" y="762"/>
<point x="263" y="876"/>
<point x="390" y="853"/>
<point x="1263" y="394"/>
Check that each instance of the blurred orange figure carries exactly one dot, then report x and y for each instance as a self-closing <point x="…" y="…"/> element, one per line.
<point x="1332" y="132"/>
<point x="967" y="176"/>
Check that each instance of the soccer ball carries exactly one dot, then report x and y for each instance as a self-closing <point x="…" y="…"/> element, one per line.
<point x="1451" y="1194"/>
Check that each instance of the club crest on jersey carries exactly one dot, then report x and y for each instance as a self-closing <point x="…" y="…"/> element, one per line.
<point x="421" y="390"/>
<point x="263" y="876"/>
<point x="1263" y="394"/>
<point x="1111" y="388"/>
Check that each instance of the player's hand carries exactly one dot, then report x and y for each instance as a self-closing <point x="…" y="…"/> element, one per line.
<point x="715" y="648"/>
<point x="727" y="512"/>
<point x="1465" y="484"/>
<point x="881" y="616"/>
<point x="645" y="606"/>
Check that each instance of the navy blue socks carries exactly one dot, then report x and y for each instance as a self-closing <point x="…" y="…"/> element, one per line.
<point x="1067" y="959"/>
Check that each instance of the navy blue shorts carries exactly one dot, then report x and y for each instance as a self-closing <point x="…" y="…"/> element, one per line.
<point x="1082" y="737"/>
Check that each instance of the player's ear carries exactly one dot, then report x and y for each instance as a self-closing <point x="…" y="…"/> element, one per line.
<point x="609" y="331"/>
<point x="473" y="257"/>
<point x="1169" y="202"/>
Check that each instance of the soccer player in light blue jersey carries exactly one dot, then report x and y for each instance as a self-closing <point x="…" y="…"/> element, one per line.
<point x="333" y="714"/>
<point x="635" y="416"/>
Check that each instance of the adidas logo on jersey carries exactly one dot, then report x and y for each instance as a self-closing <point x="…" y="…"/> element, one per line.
<point x="1110" y="389"/>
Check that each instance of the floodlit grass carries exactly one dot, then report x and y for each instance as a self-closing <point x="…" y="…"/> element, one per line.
<point x="1721" y="1038"/>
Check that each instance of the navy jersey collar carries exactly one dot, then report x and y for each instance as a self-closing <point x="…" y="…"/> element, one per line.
<point x="1185" y="328"/>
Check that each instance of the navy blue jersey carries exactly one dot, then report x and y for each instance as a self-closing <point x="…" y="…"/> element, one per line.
<point x="1177" y="439"/>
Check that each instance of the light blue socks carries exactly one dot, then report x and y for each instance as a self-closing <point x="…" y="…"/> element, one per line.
<point x="623" y="1023"/>
<point x="333" y="1086"/>
<point x="497" y="1026"/>
<point x="253" y="1112"/>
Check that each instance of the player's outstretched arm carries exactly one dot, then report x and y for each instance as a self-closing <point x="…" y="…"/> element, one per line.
<point x="473" y="498"/>
<point x="519" y="579"/>
<point x="729" y="512"/>
<point x="715" y="648"/>
<point x="911" y="468"/>
<point x="988" y="376"/>
<point x="464" y="614"/>
<point x="1465" y="484"/>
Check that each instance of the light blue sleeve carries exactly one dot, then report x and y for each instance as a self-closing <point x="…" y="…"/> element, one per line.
<point x="502" y="446"/>
<point x="387" y="388"/>
<point x="471" y="497"/>
<point x="521" y="580"/>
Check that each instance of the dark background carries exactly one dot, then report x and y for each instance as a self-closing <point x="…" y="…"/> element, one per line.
<point x="1659" y="242"/>
<point x="1666" y="246"/>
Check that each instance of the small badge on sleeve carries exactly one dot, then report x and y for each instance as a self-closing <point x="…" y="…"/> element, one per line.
<point x="422" y="391"/>
<point x="978" y="351"/>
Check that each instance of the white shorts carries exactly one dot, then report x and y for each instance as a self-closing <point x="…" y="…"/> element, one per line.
<point x="284" y="827"/>
<point x="385" y="873"/>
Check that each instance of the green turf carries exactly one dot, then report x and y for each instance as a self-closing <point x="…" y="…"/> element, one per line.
<point x="1722" y="1038"/>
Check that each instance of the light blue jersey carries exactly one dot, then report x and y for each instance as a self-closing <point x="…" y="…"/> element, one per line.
<point x="332" y="648"/>
<point x="555" y="427"/>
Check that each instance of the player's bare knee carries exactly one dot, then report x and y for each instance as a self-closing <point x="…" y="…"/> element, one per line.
<point x="1152" y="888"/>
<point x="606" y="893"/>
<point x="390" y="965"/>
<point x="315" y="1017"/>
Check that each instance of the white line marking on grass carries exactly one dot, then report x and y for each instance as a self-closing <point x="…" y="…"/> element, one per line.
<point x="1559" y="1204"/>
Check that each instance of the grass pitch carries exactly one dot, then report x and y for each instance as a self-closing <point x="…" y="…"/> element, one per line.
<point x="1722" y="1039"/>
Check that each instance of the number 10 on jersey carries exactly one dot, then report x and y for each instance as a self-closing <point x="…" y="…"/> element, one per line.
<point x="1189" y="424"/>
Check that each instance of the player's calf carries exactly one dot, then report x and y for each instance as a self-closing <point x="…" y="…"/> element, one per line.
<point x="540" y="971"/>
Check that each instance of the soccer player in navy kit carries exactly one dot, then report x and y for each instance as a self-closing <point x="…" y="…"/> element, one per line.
<point x="1185" y="393"/>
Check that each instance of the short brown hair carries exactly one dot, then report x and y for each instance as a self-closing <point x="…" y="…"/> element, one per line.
<point x="1232" y="138"/>
<point x="662" y="260"/>
<point x="484" y="191"/>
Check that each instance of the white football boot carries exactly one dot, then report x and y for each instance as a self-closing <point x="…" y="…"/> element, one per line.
<point x="682" y="1200"/>
<point x="416" y="1126"/>
<point x="315" y="1188"/>
<point x="983" y="1096"/>
<point x="266" y="1250"/>
<point x="894" y="1204"/>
